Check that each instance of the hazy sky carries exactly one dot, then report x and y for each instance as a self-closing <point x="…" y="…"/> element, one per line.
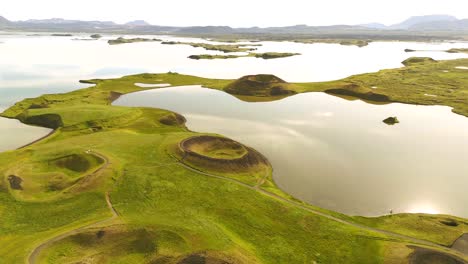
<point x="234" y="12"/>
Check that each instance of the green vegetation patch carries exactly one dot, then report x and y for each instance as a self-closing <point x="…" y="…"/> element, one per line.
<point x="441" y="229"/>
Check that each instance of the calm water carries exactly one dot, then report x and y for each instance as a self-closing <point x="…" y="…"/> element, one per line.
<point x="413" y="166"/>
<point x="338" y="154"/>
<point x="14" y="134"/>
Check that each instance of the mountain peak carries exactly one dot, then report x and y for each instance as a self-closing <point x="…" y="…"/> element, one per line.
<point x="4" y="20"/>
<point x="414" y="20"/>
<point x="138" y="23"/>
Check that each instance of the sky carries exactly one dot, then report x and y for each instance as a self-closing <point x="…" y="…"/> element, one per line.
<point x="236" y="13"/>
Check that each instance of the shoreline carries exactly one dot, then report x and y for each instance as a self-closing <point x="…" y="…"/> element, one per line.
<point x="38" y="140"/>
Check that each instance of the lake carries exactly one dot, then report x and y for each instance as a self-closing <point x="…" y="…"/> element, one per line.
<point x="338" y="154"/>
<point x="331" y="152"/>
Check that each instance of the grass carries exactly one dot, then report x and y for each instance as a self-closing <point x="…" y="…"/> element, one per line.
<point x="169" y="214"/>
<point x="441" y="229"/>
<point x="417" y="60"/>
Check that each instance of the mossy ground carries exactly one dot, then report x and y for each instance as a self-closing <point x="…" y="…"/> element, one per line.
<point x="168" y="213"/>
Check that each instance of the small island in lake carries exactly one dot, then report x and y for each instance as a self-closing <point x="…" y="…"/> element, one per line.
<point x="122" y="40"/>
<point x="462" y="50"/>
<point x="96" y="36"/>
<point x="265" y="56"/>
<point x="61" y="35"/>
<point x="391" y="121"/>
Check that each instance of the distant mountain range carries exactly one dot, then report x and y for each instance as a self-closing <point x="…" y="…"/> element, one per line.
<point x="138" y="23"/>
<point x="427" y="27"/>
<point x="426" y="23"/>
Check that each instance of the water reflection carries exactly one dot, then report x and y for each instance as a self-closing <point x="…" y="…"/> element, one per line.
<point x="338" y="154"/>
<point x="14" y="134"/>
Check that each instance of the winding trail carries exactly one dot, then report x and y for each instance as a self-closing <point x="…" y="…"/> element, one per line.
<point x="331" y="217"/>
<point x="33" y="256"/>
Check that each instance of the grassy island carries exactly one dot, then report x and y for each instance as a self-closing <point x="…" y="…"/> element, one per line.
<point x="230" y="48"/>
<point x="214" y="57"/>
<point x="226" y="48"/>
<point x="133" y="185"/>
<point x="96" y="36"/>
<point x="345" y="42"/>
<point x="457" y="51"/>
<point x="391" y="120"/>
<point x="122" y="40"/>
<point x="265" y="56"/>
<point x="61" y="35"/>
<point x="274" y="55"/>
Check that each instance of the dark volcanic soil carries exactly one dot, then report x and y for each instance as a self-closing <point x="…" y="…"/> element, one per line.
<point x="15" y="182"/>
<point x="428" y="256"/>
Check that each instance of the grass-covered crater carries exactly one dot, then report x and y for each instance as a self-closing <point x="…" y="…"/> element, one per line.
<point x="214" y="148"/>
<point x="216" y="153"/>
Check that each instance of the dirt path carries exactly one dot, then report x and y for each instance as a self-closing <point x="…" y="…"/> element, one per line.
<point x="32" y="259"/>
<point x="323" y="214"/>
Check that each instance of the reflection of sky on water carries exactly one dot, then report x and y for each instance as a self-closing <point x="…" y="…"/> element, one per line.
<point x="14" y="134"/>
<point x="338" y="154"/>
